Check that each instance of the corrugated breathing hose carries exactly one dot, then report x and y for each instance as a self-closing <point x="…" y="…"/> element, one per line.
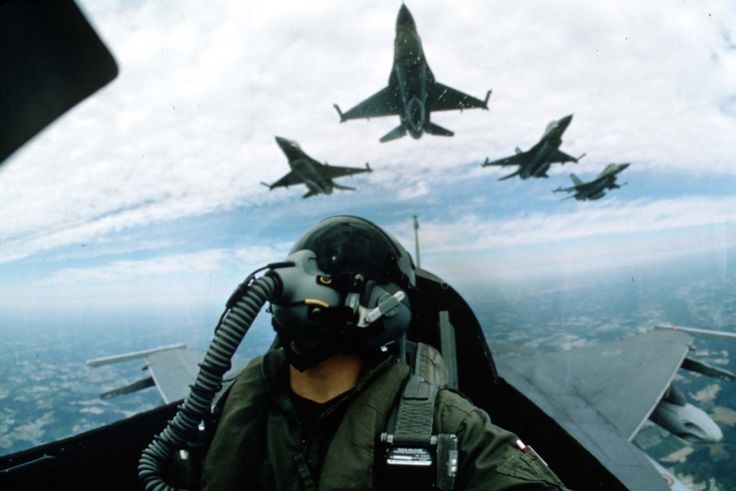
<point x="183" y="428"/>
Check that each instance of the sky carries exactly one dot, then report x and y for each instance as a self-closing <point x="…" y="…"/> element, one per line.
<point x="149" y="191"/>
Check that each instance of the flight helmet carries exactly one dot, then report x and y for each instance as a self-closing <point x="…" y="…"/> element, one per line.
<point x="345" y="293"/>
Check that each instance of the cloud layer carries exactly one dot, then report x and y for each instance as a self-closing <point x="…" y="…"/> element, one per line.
<point x="187" y="129"/>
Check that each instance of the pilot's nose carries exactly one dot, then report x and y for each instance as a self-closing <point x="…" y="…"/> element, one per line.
<point x="404" y="18"/>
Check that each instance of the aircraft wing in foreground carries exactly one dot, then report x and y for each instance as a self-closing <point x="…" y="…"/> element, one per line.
<point x="603" y="394"/>
<point x="172" y="369"/>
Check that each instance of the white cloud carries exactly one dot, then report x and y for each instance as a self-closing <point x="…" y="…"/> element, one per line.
<point x="610" y="234"/>
<point x="187" y="127"/>
<point x="143" y="270"/>
<point x="206" y="261"/>
<point x="708" y="394"/>
<point x="474" y="233"/>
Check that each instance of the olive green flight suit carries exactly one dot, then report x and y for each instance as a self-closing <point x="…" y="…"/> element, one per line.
<point x="258" y="444"/>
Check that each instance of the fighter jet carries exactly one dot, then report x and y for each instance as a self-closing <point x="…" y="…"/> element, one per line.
<point x="536" y="161"/>
<point x="412" y="92"/>
<point x="305" y="170"/>
<point x="595" y="189"/>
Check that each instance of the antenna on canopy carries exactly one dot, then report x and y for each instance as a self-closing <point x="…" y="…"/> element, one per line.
<point x="416" y="240"/>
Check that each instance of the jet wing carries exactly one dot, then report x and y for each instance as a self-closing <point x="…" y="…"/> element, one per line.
<point x="566" y="190"/>
<point x="333" y="171"/>
<point x="385" y="102"/>
<point x="172" y="369"/>
<point x="560" y="156"/>
<point x="517" y="159"/>
<point x="602" y="394"/>
<point x="289" y="179"/>
<point x="444" y="98"/>
<point x="583" y="187"/>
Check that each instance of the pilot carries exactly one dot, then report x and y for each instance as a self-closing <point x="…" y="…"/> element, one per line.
<point x="312" y="414"/>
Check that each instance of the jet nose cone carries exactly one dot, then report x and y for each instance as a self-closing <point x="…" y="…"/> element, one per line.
<point x="565" y="121"/>
<point x="283" y="142"/>
<point x="404" y="18"/>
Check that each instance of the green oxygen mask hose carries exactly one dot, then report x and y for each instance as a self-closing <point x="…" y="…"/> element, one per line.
<point x="242" y="309"/>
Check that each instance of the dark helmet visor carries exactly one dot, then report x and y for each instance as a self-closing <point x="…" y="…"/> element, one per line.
<point x="348" y="245"/>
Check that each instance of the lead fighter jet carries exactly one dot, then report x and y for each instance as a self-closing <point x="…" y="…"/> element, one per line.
<point x="595" y="189"/>
<point x="316" y="176"/>
<point x="412" y="92"/>
<point x="536" y="161"/>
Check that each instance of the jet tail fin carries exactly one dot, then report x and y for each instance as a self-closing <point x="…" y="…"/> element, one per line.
<point x="437" y="130"/>
<point x="339" y="112"/>
<point x="394" y="134"/>
<point x="576" y="180"/>
<point x="488" y="96"/>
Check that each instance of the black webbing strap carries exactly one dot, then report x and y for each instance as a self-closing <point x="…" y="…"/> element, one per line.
<point x="415" y="414"/>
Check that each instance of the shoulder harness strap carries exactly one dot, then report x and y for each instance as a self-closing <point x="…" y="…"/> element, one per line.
<point x="412" y="456"/>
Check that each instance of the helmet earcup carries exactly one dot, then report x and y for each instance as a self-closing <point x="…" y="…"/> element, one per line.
<point x="393" y="324"/>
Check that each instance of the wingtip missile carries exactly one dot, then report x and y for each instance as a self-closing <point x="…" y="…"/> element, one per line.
<point x="267" y="185"/>
<point x="368" y="167"/>
<point x="486" y="162"/>
<point x="339" y="112"/>
<point x="578" y="158"/>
